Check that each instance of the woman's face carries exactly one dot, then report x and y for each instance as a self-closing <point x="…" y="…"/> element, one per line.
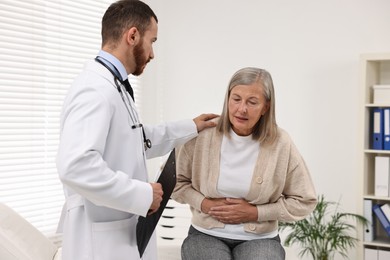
<point x="246" y="105"/>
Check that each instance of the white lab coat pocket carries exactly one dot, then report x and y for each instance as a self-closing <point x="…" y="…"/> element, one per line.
<point x="115" y="240"/>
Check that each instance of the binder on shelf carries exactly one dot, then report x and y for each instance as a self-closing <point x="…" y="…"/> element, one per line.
<point x="370" y="254"/>
<point x="386" y="211"/>
<point x="383" y="255"/>
<point x="369" y="230"/>
<point x="382" y="173"/>
<point x="377" y="128"/>
<point x="386" y="128"/>
<point x="382" y="218"/>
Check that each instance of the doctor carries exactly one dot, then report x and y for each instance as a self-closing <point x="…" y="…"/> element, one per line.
<point x="103" y="146"/>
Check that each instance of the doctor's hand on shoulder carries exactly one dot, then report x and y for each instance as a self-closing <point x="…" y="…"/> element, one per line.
<point x="157" y="197"/>
<point x="205" y="121"/>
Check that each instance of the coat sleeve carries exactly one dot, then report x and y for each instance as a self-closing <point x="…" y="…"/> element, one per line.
<point x="166" y="136"/>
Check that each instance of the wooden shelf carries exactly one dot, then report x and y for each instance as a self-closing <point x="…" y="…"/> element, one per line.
<point x="375" y="70"/>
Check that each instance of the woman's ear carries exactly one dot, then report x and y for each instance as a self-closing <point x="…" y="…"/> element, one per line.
<point x="265" y="109"/>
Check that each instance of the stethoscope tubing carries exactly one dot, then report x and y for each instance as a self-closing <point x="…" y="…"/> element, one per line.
<point x="129" y="108"/>
<point x="136" y="124"/>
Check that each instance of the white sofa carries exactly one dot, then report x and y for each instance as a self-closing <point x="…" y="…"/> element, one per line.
<point x="21" y="240"/>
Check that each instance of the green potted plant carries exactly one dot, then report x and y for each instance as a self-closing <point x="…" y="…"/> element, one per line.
<point x="325" y="232"/>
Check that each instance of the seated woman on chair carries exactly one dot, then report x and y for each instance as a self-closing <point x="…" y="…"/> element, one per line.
<point x="242" y="177"/>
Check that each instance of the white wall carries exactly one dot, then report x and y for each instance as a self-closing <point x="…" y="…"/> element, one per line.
<point x="311" y="48"/>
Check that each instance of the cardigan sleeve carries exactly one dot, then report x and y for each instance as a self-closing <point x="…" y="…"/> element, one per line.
<point x="298" y="198"/>
<point x="184" y="191"/>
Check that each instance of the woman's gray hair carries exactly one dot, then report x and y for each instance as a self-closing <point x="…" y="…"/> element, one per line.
<point x="265" y="130"/>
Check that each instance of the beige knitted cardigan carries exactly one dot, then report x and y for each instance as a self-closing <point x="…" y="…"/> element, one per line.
<point x="281" y="186"/>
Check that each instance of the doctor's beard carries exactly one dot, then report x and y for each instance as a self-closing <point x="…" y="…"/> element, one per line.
<point x="140" y="59"/>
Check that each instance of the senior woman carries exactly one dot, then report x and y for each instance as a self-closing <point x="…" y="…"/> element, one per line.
<point x="242" y="177"/>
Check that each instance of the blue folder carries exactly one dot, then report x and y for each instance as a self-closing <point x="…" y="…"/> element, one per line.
<point x="377" y="128"/>
<point x="386" y="128"/>
<point x="382" y="218"/>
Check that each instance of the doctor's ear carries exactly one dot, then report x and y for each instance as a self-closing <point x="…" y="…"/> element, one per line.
<point x="132" y="36"/>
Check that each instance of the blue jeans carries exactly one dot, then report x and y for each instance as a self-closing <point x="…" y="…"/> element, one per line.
<point x="200" y="246"/>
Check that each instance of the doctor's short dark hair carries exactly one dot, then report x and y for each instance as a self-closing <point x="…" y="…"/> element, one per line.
<point x="265" y="130"/>
<point x="122" y="15"/>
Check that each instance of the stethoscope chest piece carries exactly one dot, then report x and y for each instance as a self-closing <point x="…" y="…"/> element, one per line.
<point x="148" y="144"/>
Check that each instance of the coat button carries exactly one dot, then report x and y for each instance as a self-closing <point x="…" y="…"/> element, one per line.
<point x="259" y="180"/>
<point x="252" y="227"/>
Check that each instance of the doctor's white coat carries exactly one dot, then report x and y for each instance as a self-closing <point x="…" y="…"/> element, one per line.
<point x="101" y="162"/>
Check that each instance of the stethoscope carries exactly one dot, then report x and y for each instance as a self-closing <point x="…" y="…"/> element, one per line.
<point x="119" y="84"/>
